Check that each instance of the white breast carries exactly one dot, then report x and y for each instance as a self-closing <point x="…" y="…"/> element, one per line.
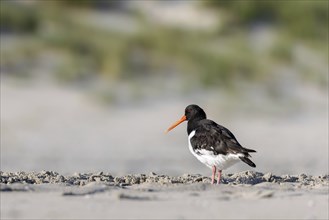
<point x="209" y="159"/>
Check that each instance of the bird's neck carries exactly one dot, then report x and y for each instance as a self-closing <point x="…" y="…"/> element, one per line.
<point x="193" y="124"/>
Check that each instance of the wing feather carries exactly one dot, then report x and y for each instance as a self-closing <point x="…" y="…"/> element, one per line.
<point x="218" y="139"/>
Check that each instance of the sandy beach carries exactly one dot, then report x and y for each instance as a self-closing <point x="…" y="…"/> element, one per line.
<point x="244" y="195"/>
<point x="85" y="143"/>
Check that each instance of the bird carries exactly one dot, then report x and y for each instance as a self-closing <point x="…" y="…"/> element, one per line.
<point x="211" y="143"/>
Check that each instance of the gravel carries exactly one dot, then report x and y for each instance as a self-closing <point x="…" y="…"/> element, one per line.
<point x="81" y="179"/>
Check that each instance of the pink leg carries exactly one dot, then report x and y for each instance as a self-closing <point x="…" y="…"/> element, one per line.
<point x="213" y="174"/>
<point x="218" y="177"/>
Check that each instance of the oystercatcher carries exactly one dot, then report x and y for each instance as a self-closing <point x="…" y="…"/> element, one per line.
<point x="211" y="143"/>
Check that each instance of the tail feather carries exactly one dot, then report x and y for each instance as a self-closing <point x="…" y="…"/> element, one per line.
<point x="250" y="150"/>
<point x="247" y="161"/>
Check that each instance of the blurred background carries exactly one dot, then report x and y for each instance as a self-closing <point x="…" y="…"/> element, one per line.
<point x="91" y="86"/>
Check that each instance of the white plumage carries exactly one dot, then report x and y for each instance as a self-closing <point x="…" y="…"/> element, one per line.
<point x="209" y="159"/>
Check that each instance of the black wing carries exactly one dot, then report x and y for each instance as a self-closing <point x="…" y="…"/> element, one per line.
<point x="218" y="139"/>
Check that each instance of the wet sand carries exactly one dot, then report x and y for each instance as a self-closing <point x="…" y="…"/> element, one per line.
<point x="244" y="195"/>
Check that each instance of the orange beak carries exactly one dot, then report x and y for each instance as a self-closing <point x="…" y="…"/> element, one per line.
<point x="176" y="124"/>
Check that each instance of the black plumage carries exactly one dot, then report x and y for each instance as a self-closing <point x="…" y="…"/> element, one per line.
<point x="217" y="139"/>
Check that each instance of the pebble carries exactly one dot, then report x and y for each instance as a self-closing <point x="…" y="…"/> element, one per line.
<point x="267" y="177"/>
